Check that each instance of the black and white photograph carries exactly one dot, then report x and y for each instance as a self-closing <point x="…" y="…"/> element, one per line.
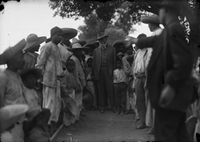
<point x="100" y="71"/>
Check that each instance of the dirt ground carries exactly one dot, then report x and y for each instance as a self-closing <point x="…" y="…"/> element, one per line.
<point x="106" y="127"/>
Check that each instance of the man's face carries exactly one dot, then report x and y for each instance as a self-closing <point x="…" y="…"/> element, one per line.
<point x="17" y="61"/>
<point x="103" y="40"/>
<point x="162" y="13"/>
<point x="57" y="37"/>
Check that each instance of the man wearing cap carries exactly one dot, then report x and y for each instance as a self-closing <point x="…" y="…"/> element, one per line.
<point x="32" y="45"/>
<point x="11" y="86"/>
<point x="169" y="81"/>
<point x="103" y="66"/>
<point x="79" y="73"/>
<point x="153" y="23"/>
<point x="50" y="62"/>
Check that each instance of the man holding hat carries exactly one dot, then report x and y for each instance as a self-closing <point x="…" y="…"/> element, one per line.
<point x="103" y="66"/>
<point x="50" y="62"/>
<point x="153" y="23"/>
<point x="32" y="45"/>
<point x="169" y="80"/>
<point x="11" y="86"/>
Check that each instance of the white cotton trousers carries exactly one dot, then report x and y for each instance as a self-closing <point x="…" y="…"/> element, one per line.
<point x="52" y="101"/>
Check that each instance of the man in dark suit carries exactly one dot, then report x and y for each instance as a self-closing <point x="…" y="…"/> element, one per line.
<point x="169" y="75"/>
<point x="103" y="66"/>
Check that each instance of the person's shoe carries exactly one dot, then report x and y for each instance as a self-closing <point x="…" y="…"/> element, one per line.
<point x="141" y="126"/>
<point x="150" y="131"/>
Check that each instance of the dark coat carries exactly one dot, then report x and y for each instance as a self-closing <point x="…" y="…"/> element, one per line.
<point x="171" y="63"/>
<point x="111" y="57"/>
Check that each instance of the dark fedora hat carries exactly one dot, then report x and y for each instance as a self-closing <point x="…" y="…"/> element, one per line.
<point x="101" y="35"/>
<point x="69" y="32"/>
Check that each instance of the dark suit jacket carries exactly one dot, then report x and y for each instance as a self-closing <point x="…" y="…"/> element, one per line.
<point x="171" y="63"/>
<point x="111" y="57"/>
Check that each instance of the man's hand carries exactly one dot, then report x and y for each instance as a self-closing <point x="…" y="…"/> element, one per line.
<point x="167" y="96"/>
<point x="130" y="40"/>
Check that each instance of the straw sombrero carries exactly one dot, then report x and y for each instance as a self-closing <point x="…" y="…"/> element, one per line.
<point x="11" y="51"/>
<point x="69" y="33"/>
<point x="10" y="114"/>
<point x="33" y="41"/>
<point x="81" y="42"/>
<point x="76" y="46"/>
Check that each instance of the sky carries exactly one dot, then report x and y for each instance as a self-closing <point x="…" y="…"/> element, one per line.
<point x="19" y="19"/>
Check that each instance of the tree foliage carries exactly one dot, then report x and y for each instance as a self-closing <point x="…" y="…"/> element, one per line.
<point x="122" y="13"/>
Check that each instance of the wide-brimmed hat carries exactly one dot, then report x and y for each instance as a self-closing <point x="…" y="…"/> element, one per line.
<point x="10" y="114"/>
<point x="32" y="41"/>
<point x="69" y="32"/>
<point x="92" y="45"/>
<point x="54" y="31"/>
<point x="71" y="106"/>
<point x="150" y="19"/>
<point x="81" y="42"/>
<point x="11" y="51"/>
<point x="101" y="35"/>
<point x="120" y="54"/>
<point x="119" y="43"/>
<point x="36" y="72"/>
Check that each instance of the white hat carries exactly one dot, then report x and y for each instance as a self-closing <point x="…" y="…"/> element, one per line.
<point x="11" y="51"/>
<point x="10" y="114"/>
<point x="32" y="41"/>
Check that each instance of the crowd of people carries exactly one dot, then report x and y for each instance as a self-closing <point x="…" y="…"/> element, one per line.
<point x="156" y="80"/>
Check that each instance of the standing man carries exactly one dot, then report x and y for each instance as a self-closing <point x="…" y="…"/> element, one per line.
<point x="103" y="66"/>
<point x="153" y="23"/>
<point x="50" y="62"/>
<point x="169" y="75"/>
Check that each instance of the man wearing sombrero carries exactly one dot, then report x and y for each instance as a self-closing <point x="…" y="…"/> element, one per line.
<point x="103" y="66"/>
<point x="169" y="80"/>
<point x="49" y="61"/>
<point x="11" y="86"/>
<point x="153" y="23"/>
<point x="32" y="46"/>
<point x="68" y="33"/>
<point x="79" y="73"/>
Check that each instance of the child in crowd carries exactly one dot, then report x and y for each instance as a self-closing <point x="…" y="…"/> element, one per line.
<point x="120" y="86"/>
<point x="68" y="89"/>
<point x="29" y="78"/>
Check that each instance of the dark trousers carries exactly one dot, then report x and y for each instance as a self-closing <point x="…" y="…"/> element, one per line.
<point x="170" y="126"/>
<point x="105" y="88"/>
<point x="120" y="93"/>
<point x="140" y="91"/>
